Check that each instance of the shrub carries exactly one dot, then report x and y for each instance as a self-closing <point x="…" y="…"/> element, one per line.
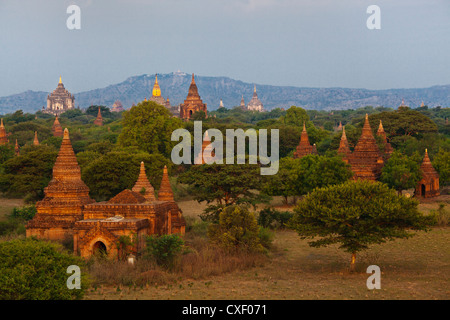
<point x="442" y="216"/>
<point x="265" y="237"/>
<point x="25" y="213"/>
<point x="237" y="230"/>
<point x="31" y="269"/>
<point x="164" y="249"/>
<point x="274" y="219"/>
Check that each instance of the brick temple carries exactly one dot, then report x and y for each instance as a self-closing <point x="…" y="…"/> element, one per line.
<point x="59" y="101"/>
<point x="192" y="103"/>
<point x="304" y="147"/>
<point x="67" y="211"/>
<point x="428" y="186"/>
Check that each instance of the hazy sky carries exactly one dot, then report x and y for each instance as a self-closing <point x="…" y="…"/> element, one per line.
<point x="308" y="43"/>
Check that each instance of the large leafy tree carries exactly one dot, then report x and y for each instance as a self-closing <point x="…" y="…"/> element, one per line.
<point x="356" y="214"/>
<point x="313" y="171"/>
<point x="441" y="162"/>
<point x="149" y="127"/>
<point x="118" y="170"/>
<point x="31" y="269"/>
<point x="222" y="185"/>
<point x="297" y="177"/>
<point x="28" y="173"/>
<point x="400" y="172"/>
<point x="295" y="116"/>
<point x="404" y="122"/>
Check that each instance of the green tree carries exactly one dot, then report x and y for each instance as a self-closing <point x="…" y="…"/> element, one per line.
<point x="237" y="230"/>
<point x="31" y="269"/>
<point x="28" y="173"/>
<point x="6" y="153"/>
<point x="283" y="182"/>
<point x="356" y="214"/>
<point x="149" y="127"/>
<point x="295" y="116"/>
<point x="400" y="172"/>
<point x="313" y="171"/>
<point x="118" y="170"/>
<point x="441" y="162"/>
<point x="164" y="249"/>
<point x="221" y="185"/>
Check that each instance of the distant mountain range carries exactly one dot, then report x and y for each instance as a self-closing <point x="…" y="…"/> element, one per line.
<point x="211" y="89"/>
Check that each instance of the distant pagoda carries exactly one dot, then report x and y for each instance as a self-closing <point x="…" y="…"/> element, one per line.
<point x="117" y="106"/>
<point x="156" y="93"/>
<point x="57" y="129"/>
<point x="99" y="120"/>
<point x="193" y="103"/>
<point x="366" y="160"/>
<point x="304" y="147"/>
<point x="35" y="141"/>
<point x="428" y="186"/>
<point x="3" y="136"/>
<point x="255" y="104"/>
<point x="344" y="148"/>
<point x="205" y="157"/>
<point x="17" y="149"/>
<point x="387" y="146"/>
<point x="242" y="105"/>
<point x="59" y="101"/>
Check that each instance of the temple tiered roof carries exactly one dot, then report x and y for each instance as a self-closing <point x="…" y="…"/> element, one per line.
<point x="60" y="100"/>
<point x="380" y="132"/>
<point x="99" y="120"/>
<point x="304" y="148"/>
<point x="428" y="186"/>
<point x="192" y="103"/>
<point x="57" y="128"/>
<point x="143" y="183"/>
<point x="344" y="148"/>
<point x="156" y="93"/>
<point x="366" y="160"/>
<point x="165" y="191"/>
<point x="255" y="103"/>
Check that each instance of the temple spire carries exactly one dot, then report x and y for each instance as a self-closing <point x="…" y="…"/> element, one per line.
<point x="56" y="128"/>
<point x="156" y="89"/>
<point x="142" y="184"/>
<point x="344" y="149"/>
<point x="99" y="120"/>
<point x="3" y="137"/>
<point x="60" y="81"/>
<point x="304" y="148"/>
<point x="16" y="148"/>
<point x="35" y="141"/>
<point x="165" y="191"/>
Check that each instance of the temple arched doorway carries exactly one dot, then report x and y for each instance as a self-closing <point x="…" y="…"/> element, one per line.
<point x="422" y="190"/>
<point x="99" y="249"/>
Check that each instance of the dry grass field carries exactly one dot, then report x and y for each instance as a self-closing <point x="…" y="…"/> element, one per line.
<point x="7" y="205"/>
<point x="415" y="268"/>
